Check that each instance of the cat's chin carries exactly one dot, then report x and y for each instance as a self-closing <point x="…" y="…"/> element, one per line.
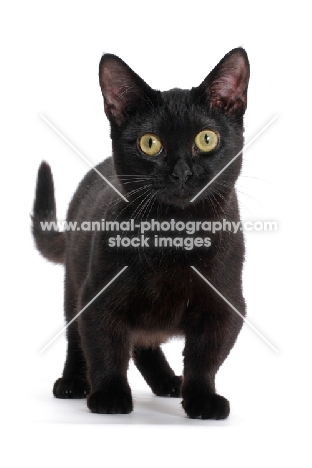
<point x="180" y="198"/>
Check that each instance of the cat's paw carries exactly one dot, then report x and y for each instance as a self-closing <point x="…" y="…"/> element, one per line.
<point x="206" y="406"/>
<point x="118" y="401"/>
<point x="170" y="387"/>
<point x="70" y="388"/>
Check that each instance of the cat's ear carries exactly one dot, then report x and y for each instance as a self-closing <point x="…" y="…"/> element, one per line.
<point x="123" y="90"/>
<point x="226" y="85"/>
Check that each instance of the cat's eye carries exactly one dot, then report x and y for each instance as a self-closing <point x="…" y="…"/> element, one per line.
<point x="206" y="140"/>
<point x="150" y="144"/>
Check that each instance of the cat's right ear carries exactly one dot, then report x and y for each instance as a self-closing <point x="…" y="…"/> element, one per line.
<point x="123" y="90"/>
<point x="225" y="88"/>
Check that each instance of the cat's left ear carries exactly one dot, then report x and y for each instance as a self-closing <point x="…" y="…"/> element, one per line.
<point x="123" y="90"/>
<point x="226" y="86"/>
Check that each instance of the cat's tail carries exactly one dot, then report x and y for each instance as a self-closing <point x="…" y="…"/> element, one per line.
<point x="49" y="240"/>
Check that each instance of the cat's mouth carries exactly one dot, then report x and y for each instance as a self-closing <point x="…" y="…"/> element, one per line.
<point x="182" y="192"/>
<point x="178" y="196"/>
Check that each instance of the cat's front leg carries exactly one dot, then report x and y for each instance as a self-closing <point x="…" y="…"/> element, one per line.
<point x="206" y="347"/>
<point x="105" y="343"/>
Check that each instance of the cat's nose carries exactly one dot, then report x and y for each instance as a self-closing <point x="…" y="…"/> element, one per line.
<point x="181" y="171"/>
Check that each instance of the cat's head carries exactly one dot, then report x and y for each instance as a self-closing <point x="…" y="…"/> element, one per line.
<point x="174" y="143"/>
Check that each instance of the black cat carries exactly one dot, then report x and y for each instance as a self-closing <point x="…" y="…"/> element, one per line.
<point x="167" y="146"/>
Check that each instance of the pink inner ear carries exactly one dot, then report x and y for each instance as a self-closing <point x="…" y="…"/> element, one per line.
<point x="114" y="90"/>
<point x="226" y="92"/>
<point x="123" y="90"/>
<point x="227" y="85"/>
<point x="118" y="88"/>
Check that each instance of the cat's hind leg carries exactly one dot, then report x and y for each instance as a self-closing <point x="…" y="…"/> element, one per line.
<point x="73" y="383"/>
<point x="156" y="371"/>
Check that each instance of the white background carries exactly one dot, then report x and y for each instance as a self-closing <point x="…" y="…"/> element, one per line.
<point x="49" y="64"/>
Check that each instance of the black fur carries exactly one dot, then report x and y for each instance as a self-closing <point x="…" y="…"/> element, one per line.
<point x="50" y="243"/>
<point x="158" y="296"/>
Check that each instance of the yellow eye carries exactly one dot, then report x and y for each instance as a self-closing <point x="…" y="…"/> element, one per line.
<point x="206" y="140"/>
<point x="150" y="144"/>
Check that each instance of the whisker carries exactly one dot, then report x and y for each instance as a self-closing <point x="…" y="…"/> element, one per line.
<point x="151" y="203"/>
<point x="117" y="200"/>
<point x="131" y="176"/>
<point x="146" y="205"/>
<point x="138" y="189"/>
<point x="216" y="200"/>
<point x="133" y="182"/>
<point x="130" y="203"/>
<point x="136" y="212"/>
<point x="210" y="201"/>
